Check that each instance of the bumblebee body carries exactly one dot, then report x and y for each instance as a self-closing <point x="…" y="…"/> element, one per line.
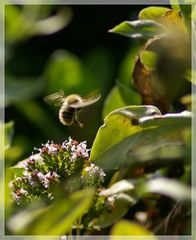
<point x="70" y="105"/>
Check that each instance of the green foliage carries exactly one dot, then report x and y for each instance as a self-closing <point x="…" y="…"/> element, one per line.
<point x="137" y="29"/>
<point x="121" y="196"/>
<point x="152" y="13"/>
<point x="140" y="158"/>
<point x="148" y="59"/>
<point x="143" y="137"/>
<point x="124" y="227"/>
<point x="171" y="188"/>
<point x="65" y="70"/>
<point x="33" y="20"/>
<point x="114" y="100"/>
<point x="123" y="93"/>
<point x="9" y="131"/>
<point x="37" y="219"/>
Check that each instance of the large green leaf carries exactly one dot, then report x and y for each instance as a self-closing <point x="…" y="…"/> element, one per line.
<point x="137" y="29"/>
<point x="131" y="136"/>
<point x="118" y="125"/>
<point x="54" y="220"/>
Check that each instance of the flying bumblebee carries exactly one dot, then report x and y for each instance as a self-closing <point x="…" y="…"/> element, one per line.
<point x="70" y="105"/>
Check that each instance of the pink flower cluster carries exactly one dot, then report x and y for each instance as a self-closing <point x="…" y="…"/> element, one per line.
<point x="77" y="150"/>
<point x="52" y="164"/>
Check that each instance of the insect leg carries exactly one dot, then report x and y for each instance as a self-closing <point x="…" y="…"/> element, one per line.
<point x="78" y="123"/>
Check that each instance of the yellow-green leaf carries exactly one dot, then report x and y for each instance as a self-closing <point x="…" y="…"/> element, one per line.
<point x="137" y="29"/>
<point x="125" y="227"/>
<point x="153" y="13"/>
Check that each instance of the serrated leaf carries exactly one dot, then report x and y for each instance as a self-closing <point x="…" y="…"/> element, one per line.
<point x="137" y="29"/>
<point x="153" y="13"/>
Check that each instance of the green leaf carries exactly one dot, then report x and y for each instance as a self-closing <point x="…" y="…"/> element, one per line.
<point x="98" y="67"/>
<point x="137" y="29"/>
<point x="125" y="227"/>
<point x="113" y="101"/>
<point x="122" y="186"/>
<point x="153" y="13"/>
<point x="190" y="75"/>
<point x="122" y="195"/>
<point x="63" y="71"/>
<point x="112" y="131"/>
<point x="18" y="171"/>
<point x="33" y="20"/>
<point x="185" y="9"/>
<point x="127" y="138"/>
<point x="56" y="219"/>
<point x="175" y="5"/>
<point x="9" y="131"/>
<point x="149" y="59"/>
<point x="107" y="218"/>
<point x="168" y="187"/>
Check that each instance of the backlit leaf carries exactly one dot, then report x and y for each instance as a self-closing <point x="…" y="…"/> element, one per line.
<point x="113" y="101"/>
<point x="137" y="29"/>
<point x="141" y="139"/>
<point x="153" y="13"/>
<point x="149" y="59"/>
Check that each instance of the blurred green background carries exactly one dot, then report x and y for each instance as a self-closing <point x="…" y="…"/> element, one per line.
<point x="52" y="47"/>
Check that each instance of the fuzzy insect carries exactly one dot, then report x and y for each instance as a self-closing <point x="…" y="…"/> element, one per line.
<point x="70" y="105"/>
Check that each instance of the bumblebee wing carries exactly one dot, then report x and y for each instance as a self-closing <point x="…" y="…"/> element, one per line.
<point x="86" y="101"/>
<point x="55" y="99"/>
